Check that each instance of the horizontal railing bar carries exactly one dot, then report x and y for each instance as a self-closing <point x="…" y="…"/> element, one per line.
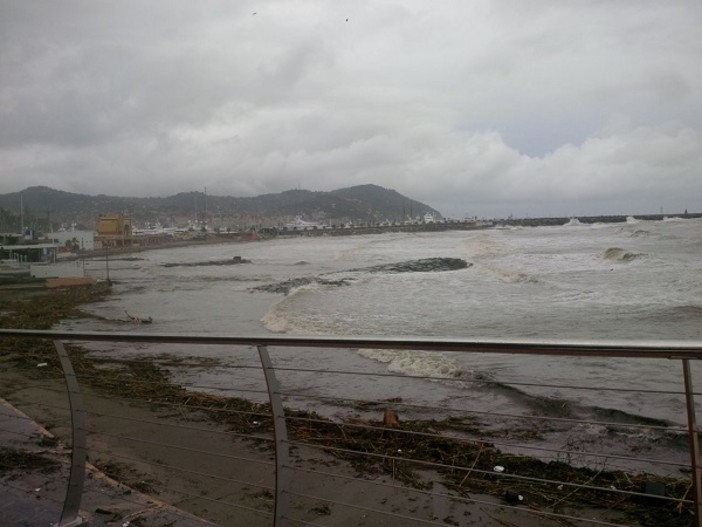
<point x="395" y="430"/>
<point x="501" y="475"/>
<point x="494" y="414"/>
<point x="407" y="432"/>
<point x="422" y="407"/>
<point x="249" y="436"/>
<point x="490" y="442"/>
<point x="505" y="382"/>
<point x="401" y="376"/>
<point x="670" y="349"/>
<point x="381" y="429"/>
<point x="482" y="381"/>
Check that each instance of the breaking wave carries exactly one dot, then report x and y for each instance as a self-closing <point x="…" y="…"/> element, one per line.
<point x="640" y="233"/>
<point x="416" y="363"/>
<point x="514" y="278"/>
<point x="620" y="255"/>
<point x="281" y="318"/>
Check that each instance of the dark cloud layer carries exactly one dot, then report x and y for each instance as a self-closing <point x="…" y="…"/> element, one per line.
<point x="488" y="107"/>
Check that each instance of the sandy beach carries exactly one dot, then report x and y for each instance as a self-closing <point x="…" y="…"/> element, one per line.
<point x="181" y="458"/>
<point x="213" y="457"/>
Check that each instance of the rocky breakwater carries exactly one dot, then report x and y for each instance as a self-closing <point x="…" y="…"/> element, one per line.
<point x="423" y="265"/>
<point x="236" y="260"/>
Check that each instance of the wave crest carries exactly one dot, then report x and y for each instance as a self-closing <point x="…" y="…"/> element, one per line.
<point x="416" y="363"/>
<point x="618" y="254"/>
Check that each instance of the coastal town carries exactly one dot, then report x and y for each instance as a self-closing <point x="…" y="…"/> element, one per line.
<point x="29" y="254"/>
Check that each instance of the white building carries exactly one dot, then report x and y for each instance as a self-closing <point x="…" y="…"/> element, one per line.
<point x="84" y="239"/>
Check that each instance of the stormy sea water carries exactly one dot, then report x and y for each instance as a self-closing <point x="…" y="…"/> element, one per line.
<point x="633" y="281"/>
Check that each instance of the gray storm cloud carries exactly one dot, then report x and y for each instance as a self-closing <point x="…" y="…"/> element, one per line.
<point x="484" y="108"/>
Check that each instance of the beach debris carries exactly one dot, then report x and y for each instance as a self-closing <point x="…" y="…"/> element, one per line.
<point x="498" y="468"/>
<point x="513" y="498"/>
<point x="655" y="492"/>
<point x="390" y="419"/>
<point x="322" y="510"/>
<point x="137" y="319"/>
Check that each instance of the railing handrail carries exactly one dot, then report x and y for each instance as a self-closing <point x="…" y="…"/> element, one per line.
<point x="664" y="349"/>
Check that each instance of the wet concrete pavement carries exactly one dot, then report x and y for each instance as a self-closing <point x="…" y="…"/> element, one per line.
<point x="33" y="495"/>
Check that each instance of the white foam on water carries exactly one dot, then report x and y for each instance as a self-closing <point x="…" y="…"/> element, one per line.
<point x="416" y="363"/>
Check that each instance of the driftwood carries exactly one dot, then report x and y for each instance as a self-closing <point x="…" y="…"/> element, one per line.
<point x="390" y="419"/>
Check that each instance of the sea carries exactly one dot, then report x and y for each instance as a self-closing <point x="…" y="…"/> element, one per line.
<point x="637" y="281"/>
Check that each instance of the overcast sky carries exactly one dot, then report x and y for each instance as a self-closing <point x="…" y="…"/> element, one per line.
<point x="477" y="107"/>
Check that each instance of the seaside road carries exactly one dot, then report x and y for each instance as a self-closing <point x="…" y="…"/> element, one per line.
<point x="33" y="477"/>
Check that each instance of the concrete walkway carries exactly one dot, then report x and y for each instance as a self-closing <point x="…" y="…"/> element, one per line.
<point x="34" y="496"/>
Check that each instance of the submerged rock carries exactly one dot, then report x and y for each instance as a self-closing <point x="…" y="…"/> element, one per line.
<point x="232" y="261"/>
<point x="412" y="266"/>
<point x="288" y="285"/>
<point x="423" y="265"/>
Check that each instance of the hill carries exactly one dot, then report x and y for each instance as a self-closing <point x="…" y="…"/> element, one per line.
<point x="358" y="204"/>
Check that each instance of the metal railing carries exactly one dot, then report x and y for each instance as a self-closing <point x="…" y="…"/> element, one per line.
<point x="453" y="465"/>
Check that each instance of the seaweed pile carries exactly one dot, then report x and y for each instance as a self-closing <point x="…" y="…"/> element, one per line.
<point x="466" y="467"/>
<point x="14" y="459"/>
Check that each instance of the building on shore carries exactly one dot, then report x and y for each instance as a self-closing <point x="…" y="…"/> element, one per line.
<point x="74" y="240"/>
<point x="20" y="256"/>
<point x="114" y="230"/>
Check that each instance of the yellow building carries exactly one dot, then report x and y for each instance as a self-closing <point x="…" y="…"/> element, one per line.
<point x="114" y="230"/>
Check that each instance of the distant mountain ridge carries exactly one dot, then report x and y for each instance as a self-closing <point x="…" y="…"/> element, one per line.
<point x="362" y="203"/>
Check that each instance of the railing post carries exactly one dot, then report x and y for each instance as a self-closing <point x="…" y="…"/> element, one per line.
<point x="74" y="492"/>
<point x="280" y="432"/>
<point x="694" y="443"/>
